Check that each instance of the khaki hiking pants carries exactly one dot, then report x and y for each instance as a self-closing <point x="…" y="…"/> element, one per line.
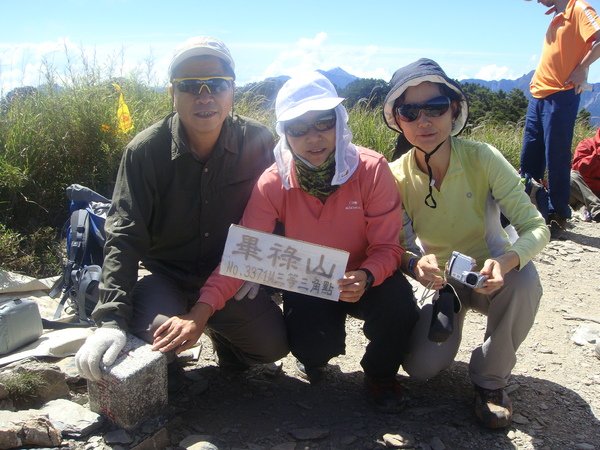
<point x="510" y="314"/>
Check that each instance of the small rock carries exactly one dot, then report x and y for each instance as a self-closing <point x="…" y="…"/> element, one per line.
<point x="511" y="388"/>
<point x="285" y="446"/>
<point x="198" y="442"/>
<point x="273" y="369"/>
<point x="348" y="440"/>
<point x="584" y="446"/>
<point x="399" y="440"/>
<point x="586" y="334"/>
<point x="40" y="432"/>
<point x="70" y="418"/>
<point x="437" y="444"/>
<point x="520" y="419"/>
<point x="53" y="383"/>
<point x="308" y="434"/>
<point x="158" y="440"/>
<point x="118" y="437"/>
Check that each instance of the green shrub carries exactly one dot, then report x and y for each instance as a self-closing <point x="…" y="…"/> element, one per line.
<point x="39" y="254"/>
<point x="23" y="387"/>
<point x="369" y="129"/>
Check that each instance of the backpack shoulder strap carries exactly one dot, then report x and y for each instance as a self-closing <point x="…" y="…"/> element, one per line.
<point x="89" y="278"/>
<point x="80" y="230"/>
<point x="78" y="234"/>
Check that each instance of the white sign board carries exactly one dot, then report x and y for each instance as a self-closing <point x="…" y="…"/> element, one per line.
<point x="283" y="263"/>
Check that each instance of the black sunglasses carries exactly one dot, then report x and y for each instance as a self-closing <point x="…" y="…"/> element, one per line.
<point x="434" y="107"/>
<point x="298" y="128"/>
<point x="214" y="85"/>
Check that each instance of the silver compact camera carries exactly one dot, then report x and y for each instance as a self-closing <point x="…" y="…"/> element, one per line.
<point x="460" y="267"/>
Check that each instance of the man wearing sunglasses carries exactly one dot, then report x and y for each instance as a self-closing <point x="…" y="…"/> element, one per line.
<point x="181" y="184"/>
<point x="571" y="45"/>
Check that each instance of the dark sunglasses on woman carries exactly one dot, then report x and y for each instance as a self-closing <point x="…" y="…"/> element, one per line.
<point x="299" y="128"/>
<point x="434" y="107"/>
<point x="214" y="85"/>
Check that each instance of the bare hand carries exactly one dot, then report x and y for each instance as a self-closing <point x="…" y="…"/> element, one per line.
<point x="428" y="273"/>
<point x="180" y="333"/>
<point x="578" y="78"/>
<point x="352" y="286"/>
<point x="495" y="279"/>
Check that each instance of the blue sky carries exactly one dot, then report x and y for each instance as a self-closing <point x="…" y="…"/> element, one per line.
<point x="470" y="39"/>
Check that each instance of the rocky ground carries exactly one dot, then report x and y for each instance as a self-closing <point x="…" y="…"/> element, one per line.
<point x="555" y="386"/>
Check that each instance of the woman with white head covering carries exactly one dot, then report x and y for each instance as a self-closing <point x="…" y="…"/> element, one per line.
<point x="325" y="190"/>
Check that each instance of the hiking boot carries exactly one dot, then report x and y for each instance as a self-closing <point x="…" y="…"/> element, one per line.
<point x="558" y="226"/>
<point x="493" y="407"/>
<point x="313" y="374"/>
<point x="386" y="394"/>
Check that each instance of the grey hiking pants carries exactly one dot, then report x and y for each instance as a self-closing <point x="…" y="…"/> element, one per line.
<point x="510" y="314"/>
<point x="581" y="194"/>
<point x="244" y="333"/>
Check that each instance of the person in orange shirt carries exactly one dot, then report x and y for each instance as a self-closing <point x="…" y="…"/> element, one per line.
<point x="571" y="45"/>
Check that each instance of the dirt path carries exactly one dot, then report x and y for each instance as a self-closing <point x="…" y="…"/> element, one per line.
<point x="555" y="386"/>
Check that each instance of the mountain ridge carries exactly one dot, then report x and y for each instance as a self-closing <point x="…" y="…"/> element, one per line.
<point x="590" y="100"/>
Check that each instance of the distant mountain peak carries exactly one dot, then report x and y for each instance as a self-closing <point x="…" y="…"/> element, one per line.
<point x="339" y="77"/>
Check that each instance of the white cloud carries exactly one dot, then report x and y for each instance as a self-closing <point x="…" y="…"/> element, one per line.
<point x="305" y="54"/>
<point x="494" y="72"/>
<point x="318" y="53"/>
<point x="26" y="63"/>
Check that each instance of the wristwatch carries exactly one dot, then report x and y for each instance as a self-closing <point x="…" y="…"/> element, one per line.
<point x="410" y="267"/>
<point x="370" y="279"/>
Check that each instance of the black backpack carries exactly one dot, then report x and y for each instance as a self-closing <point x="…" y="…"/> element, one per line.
<point x="78" y="285"/>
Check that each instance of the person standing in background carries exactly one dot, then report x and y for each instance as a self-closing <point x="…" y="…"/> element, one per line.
<point x="571" y="45"/>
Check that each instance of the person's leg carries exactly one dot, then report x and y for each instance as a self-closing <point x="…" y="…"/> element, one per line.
<point x="389" y="315"/>
<point x="533" y="160"/>
<point x="559" y="114"/>
<point x="510" y="314"/>
<point x="248" y="332"/>
<point x="315" y="328"/>
<point x="155" y="298"/>
<point x="427" y="358"/>
<point x="581" y="194"/>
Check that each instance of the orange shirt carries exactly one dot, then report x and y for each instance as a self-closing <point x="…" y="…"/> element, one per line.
<point x="565" y="45"/>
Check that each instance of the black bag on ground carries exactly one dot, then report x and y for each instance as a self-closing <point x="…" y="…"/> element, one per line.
<point x="442" y="315"/>
<point x="78" y="286"/>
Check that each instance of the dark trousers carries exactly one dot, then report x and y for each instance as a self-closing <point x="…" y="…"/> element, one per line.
<point x="547" y="139"/>
<point x="243" y="333"/>
<point x="316" y="327"/>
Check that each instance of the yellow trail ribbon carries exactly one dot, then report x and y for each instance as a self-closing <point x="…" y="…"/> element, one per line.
<point x="123" y="116"/>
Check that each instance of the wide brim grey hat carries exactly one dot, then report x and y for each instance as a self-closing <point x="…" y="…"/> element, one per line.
<point x="414" y="74"/>
<point x="310" y="91"/>
<point x="201" y="46"/>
